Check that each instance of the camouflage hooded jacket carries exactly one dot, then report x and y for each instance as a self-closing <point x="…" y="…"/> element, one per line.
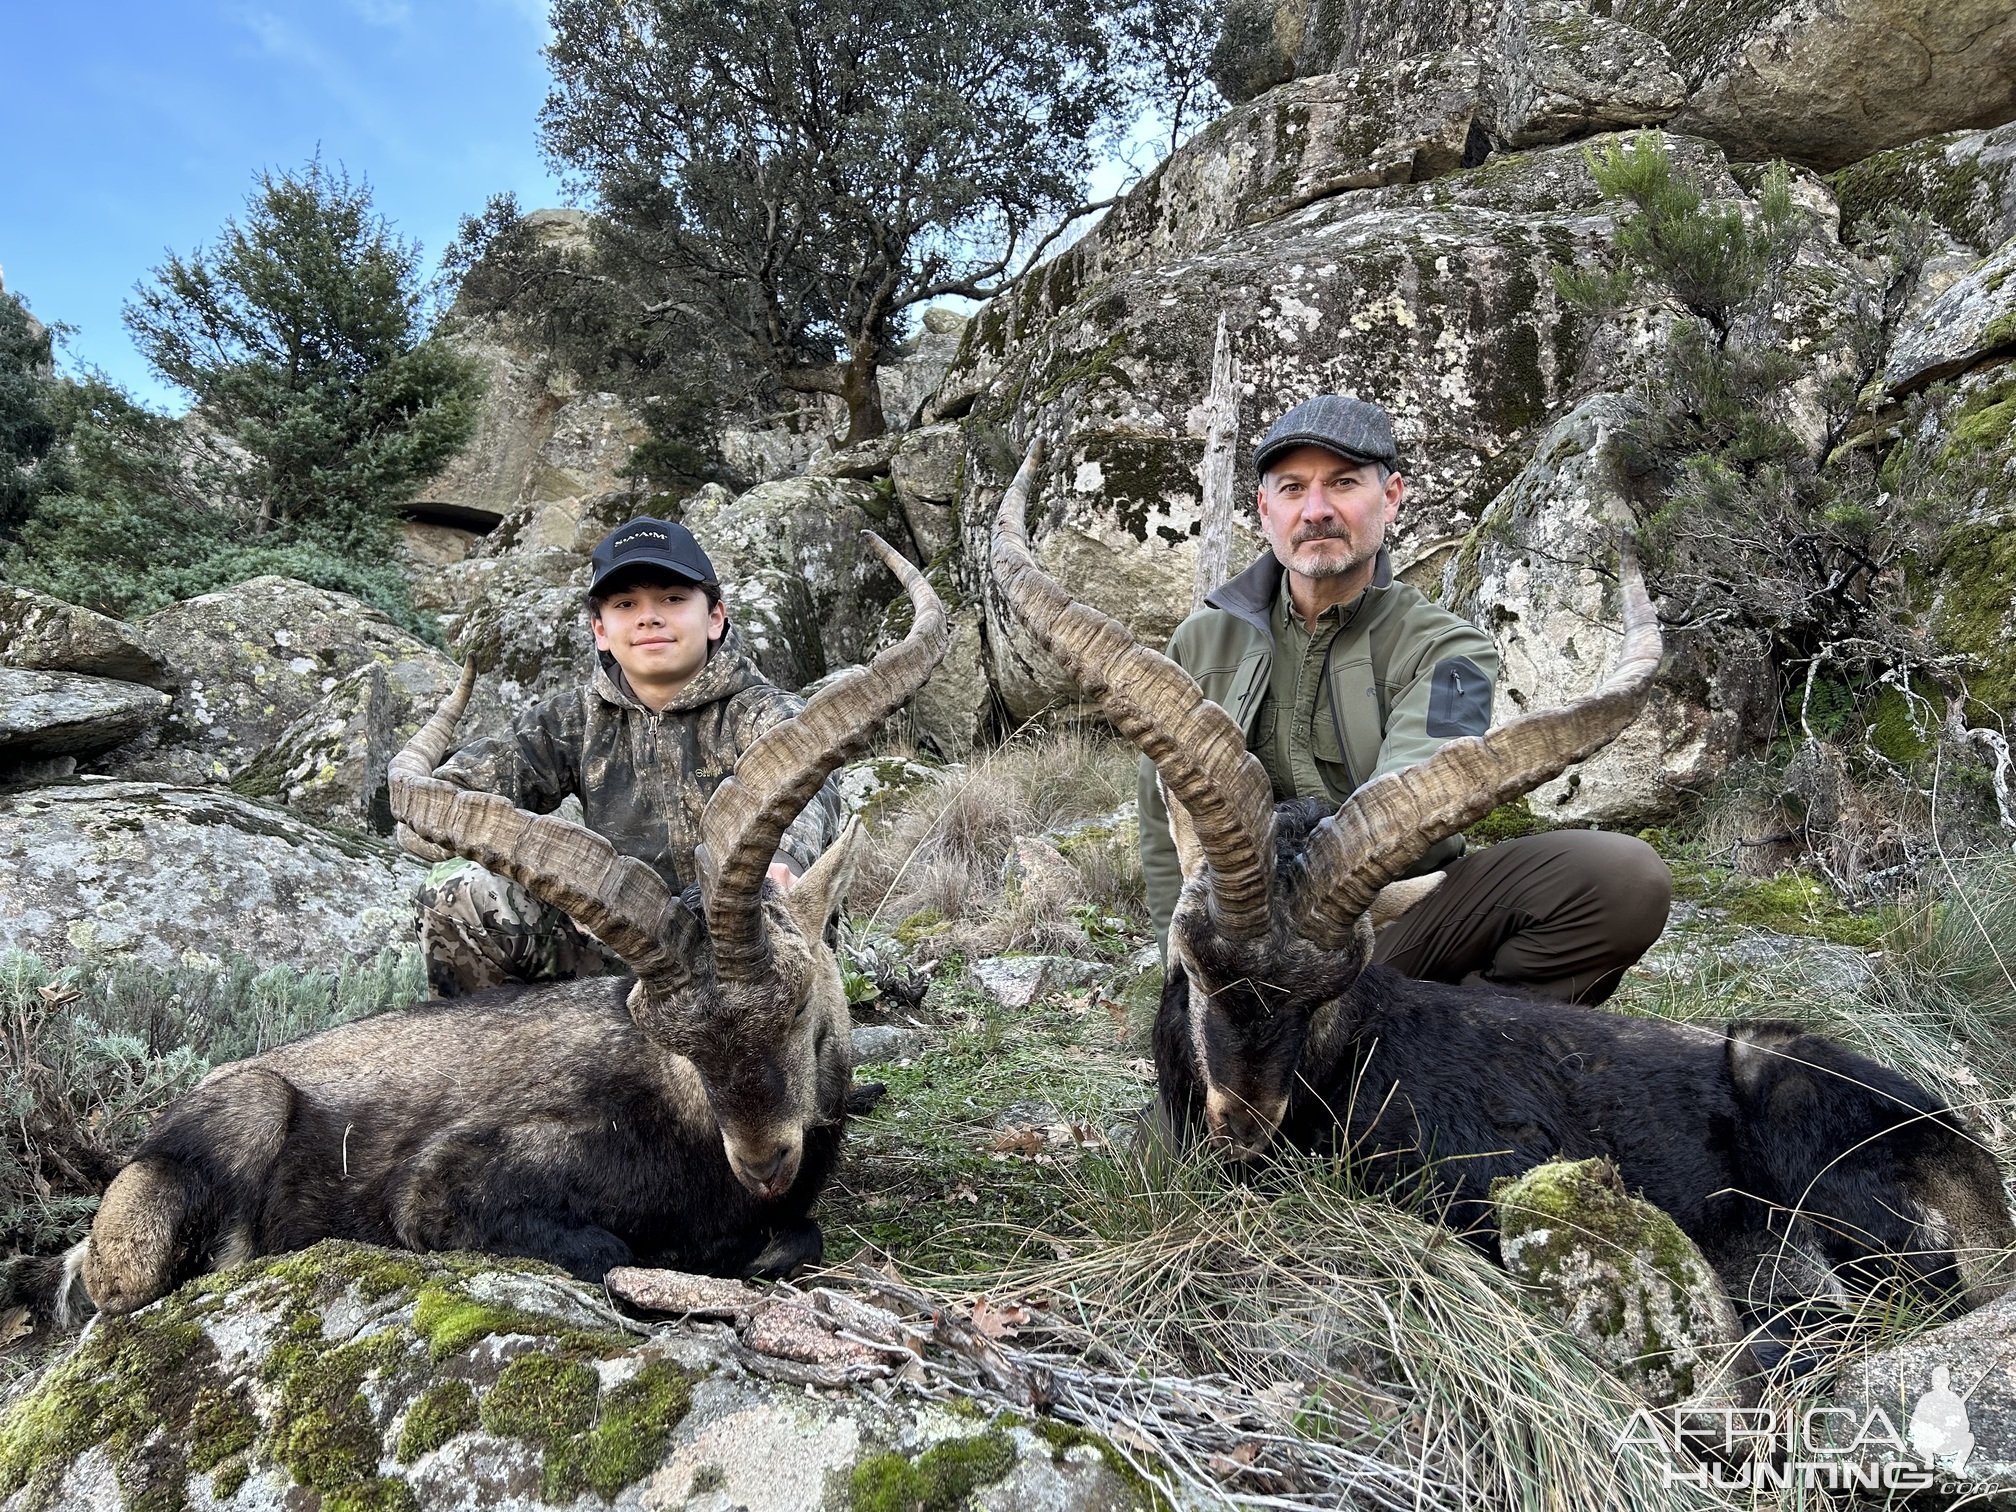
<point x="644" y="777"/>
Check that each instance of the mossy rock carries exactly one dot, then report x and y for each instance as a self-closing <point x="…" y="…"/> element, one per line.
<point x="1621" y="1275"/>
<point x="343" y="1369"/>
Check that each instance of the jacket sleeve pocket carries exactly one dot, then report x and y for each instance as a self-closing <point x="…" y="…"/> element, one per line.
<point x="1459" y="701"/>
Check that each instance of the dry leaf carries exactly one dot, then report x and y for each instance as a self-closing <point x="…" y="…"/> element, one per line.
<point x="1235" y="1461"/>
<point x="1026" y="1140"/>
<point x="999" y="1320"/>
<point x="56" y="997"/>
<point x="15" y="1323"/>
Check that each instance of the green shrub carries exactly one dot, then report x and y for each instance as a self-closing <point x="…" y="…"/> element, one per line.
<point x="89" y="1054"/>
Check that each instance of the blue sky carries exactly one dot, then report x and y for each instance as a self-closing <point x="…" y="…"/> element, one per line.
<point x="130" y="129"/>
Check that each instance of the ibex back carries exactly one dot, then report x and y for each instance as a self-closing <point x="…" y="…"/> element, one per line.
<point x="688" y="1116"/>
<point x="1804" y="1170"/>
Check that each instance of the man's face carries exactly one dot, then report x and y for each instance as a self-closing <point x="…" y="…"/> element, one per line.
<point x="1326" y="515"/>
<point x="659" y="632"/>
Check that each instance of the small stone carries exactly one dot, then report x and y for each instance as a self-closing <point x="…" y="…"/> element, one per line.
<point x="1017" y="981"/>
<point x="670" y="1291"/>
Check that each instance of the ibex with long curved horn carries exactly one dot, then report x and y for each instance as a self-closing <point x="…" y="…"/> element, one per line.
<point x="1800" y="1167"/>
<point x="689" y="1116"/>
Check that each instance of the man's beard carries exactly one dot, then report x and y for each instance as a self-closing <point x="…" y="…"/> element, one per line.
<point x="1327" y="564"/>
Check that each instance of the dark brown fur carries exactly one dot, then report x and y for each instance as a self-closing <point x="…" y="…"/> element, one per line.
<point x="589" y="1124"/>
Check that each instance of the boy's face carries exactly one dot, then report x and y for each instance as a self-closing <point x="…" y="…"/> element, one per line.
<point x="659" y="633"/>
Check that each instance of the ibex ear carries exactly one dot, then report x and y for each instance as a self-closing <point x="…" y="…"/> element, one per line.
<point x="821" y="894"/>
<point x="1758" y="1061"/>
<point x="1189" y="850"/>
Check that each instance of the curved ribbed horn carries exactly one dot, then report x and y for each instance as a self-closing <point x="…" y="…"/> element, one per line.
<point x="618" y="899"/>
<point x="779" y="773"/>
<point x="1388" y="825"/>
<point x="1196" y="746"/>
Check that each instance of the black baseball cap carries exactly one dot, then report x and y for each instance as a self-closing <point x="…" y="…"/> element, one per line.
<point x="1350" y="427"/>
<point x="645" y="542"/>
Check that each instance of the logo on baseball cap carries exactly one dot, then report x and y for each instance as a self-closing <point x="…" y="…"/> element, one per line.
<point x="645" y="542"/>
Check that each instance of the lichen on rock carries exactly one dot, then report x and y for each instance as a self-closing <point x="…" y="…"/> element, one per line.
<point x="1623" y="1277"/>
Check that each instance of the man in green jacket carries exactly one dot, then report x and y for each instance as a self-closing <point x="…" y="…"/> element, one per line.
<point x="1338" y="674"/>
<point x="673" y="703"/>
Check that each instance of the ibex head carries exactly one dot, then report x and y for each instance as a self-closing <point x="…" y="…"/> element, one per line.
<point x="740" y="982"/>
<point x="1276" y="917"/>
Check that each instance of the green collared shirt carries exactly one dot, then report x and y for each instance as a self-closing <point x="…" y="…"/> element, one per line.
<point x="1292" y="730"/>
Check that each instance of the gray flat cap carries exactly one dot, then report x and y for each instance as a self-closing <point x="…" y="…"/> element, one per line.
<point x="1337" y="422"/>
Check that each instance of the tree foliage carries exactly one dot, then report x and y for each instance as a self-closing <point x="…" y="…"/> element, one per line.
<point x="301" y="337"/>
<point x="320" y="404"/>
<point x="795" y="175"/>
<point x="1165" y="48"/>
<point x="28" y="430"/>
<point x="1776" y="520"/>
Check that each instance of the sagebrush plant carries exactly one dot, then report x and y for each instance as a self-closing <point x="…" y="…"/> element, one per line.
<point x="943" y="860"/>
<point x="1774" y="526"/>
<point x="94" y="1050"/>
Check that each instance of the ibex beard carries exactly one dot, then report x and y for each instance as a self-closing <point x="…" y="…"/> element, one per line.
<point x="686" y="1117"/>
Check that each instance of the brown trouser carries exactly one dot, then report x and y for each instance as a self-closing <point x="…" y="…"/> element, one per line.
<point x="1563" y="914"/>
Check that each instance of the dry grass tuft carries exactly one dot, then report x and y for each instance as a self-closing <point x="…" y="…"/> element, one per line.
<point x="1390" y="1363"/>
<point x="961" y="860"/>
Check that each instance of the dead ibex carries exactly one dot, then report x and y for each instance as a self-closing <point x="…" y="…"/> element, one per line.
<point x="688" y="1117"/>
<point x="1803" y="1169"/>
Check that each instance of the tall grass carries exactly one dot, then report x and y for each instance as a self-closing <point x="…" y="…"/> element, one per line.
<point x="1381" y="1360"/>
<point x="945" y="863"/>
<point x="91" y="1052"/>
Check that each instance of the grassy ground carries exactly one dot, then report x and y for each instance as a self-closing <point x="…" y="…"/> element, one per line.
<point x="998" y="1163"/>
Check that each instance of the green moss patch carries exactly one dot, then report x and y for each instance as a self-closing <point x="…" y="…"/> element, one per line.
<point x="133" y="1375"/>
<point x="323" y="1429"/>
<point x="437" y="1416"/>
<point x="1977" y="588"/>
<point x="1789" y="903"/>
<point x="591" y="1439"/>
<point x="1508" y="821"/>
<point x="628" y="1438"/>
<point x="541" y="1398"/>
<point x="942" y="1479"/>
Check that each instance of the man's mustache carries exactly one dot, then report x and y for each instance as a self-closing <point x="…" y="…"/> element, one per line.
<point x="1319" y="533"/>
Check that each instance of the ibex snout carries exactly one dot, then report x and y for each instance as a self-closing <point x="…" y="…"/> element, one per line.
<point x="768" y="1164"/>
<point x="1242" y="1128"/>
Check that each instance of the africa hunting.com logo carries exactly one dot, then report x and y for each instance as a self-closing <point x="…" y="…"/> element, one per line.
<point x="1829" y="1448"/>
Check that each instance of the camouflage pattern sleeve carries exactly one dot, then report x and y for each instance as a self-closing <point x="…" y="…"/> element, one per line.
<point x="535" y="763"/>
<point x="757" y="710"/>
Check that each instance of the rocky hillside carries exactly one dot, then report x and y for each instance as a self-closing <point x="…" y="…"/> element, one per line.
<point x="1384" y="211"/>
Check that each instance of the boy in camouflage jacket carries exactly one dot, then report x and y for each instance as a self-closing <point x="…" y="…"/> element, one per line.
<point x="671" y="706"/>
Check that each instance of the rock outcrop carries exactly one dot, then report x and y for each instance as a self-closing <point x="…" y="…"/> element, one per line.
<point x="60" y="714"/>
<point x="165" y="875"/>
<point x="540" y="436"/>
<point x="1437" y="299"/>
<point x="1973" y="322"/>
<point x="249" y="660"/>
<point x="363" y="1378"/>
<point x="1624" y="1279"/>
<point x="1529" y="575"/>
<point x="1821" y="84"/>
<point x="42" y="634"/>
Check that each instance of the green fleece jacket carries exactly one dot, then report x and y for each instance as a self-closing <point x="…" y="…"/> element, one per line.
<point x="644" y="777"/>
<point x="1380" y="684"/>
